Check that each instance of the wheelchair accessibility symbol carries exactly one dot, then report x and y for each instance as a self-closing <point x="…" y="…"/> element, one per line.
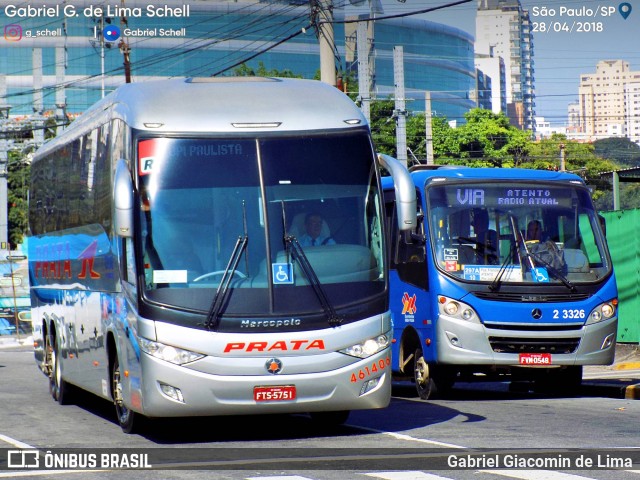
<point x="282" y="273"/>
<point x="540" y="275"/>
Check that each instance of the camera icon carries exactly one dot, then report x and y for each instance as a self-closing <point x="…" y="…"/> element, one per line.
<point x="12" y="32"/>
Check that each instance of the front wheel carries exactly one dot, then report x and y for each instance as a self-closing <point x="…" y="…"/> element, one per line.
<point x="127" y="419"/>
<point x="430" y="379"/>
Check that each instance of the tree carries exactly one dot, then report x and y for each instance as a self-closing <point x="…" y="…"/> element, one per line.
<point x="621" y="150"/>
<point x="245" y="71"/>
<point x="18" y="172"/>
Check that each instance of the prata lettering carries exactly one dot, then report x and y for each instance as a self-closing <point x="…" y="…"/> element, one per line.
<point x="292" y="322"/>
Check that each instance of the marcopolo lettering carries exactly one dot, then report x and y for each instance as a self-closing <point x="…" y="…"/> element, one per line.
<point x="289" y="322"/>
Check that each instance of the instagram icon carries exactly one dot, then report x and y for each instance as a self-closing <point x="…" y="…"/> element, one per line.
<point x="12" y="32"/>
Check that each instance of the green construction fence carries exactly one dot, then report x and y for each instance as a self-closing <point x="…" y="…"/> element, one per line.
<point x="623" y="237"/>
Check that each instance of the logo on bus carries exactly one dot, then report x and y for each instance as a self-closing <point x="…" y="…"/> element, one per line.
<point x="273" y="366"/>
<point x="409" y="304"/>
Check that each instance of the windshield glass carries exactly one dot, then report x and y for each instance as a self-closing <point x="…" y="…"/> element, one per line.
<point x="199" y="197"/>
<point x="539" y="233"/>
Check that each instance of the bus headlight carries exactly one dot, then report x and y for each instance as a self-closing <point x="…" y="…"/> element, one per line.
<point x="457" y="309"/>
<point x="168" y="353"/>
<point x="369" y="347"/>
<point x="604" y="311"/>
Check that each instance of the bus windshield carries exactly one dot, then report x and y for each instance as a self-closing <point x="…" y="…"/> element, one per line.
<point x="203" y="199"/>
<point x="516" y="232"/>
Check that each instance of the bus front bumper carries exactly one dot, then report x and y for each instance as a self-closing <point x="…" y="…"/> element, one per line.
<point x="365" y="384"/>
<point x="469" y="343"/>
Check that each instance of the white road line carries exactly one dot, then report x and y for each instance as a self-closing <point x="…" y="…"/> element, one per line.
<point x="535" y="474"/>
<point x="16" y="443"/>
<point x="406" y="476"/>
<point x="280" y="477"/>
<point x="401" y="436"/>
<point x="41" y="473"/>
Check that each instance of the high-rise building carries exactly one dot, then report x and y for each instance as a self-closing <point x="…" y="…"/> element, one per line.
<point x="609" y="101"/>
<point x="503" y="29"/>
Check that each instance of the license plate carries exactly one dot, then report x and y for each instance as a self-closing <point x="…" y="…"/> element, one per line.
<point x="534" y="359"/>
<point x="278" y="393"/>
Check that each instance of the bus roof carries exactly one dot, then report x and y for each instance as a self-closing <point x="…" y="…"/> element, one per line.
<point x="223" y="105"/>
<point x="421" y="176"/>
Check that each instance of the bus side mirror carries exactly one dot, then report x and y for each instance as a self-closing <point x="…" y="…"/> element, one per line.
<point x="405" y="192"/>
<point x="123" y="200"/>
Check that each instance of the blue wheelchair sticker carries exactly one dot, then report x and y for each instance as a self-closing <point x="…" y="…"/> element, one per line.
<point x="282" y="273"/>
<point x="540" y="275"/>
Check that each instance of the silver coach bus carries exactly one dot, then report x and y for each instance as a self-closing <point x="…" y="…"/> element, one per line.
<point x="168" y="261"/>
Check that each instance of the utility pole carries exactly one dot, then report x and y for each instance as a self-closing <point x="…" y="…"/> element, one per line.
<point x="428" y="128"/>
<point x="324" y="21"/>
<point x="364" y="73"/>
<point x="4" y="162"/>
<point x="124" y="46"/>
<point x="562" y="158"/>
<point x="401" y="110"/>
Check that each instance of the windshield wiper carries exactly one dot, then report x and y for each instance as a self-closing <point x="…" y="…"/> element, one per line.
<point x="213" y="317"/>
<point x="495" y="285"/>
<point x="552" y="270"/>
<point x="297" y="254"/>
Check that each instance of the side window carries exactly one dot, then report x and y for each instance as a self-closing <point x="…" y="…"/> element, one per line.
<point x="406" y="256"/>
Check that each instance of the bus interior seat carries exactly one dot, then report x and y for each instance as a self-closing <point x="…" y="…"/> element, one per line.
<point x="576" y="260"/>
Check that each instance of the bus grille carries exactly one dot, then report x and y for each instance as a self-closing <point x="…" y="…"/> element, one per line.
<point x="531" y="298"/>
<point x="534" y="345"/>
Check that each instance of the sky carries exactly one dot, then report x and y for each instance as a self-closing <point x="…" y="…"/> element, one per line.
<point x="559" y="57"/>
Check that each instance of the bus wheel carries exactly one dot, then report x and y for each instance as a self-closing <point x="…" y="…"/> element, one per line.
<point x="59" y="389"/>
<point x="424" y="383"/>
<point x="126" y="417"/>
<point x="330" y="419"/>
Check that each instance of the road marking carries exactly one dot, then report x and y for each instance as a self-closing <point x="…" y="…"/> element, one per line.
<point x="15" y="443"/>
<point x="401" y="436"/>
<point x="40" y="473"/>
<point x="280" y="477"/>
<point x="406" y="476"/>
<point x="535" y="474"/>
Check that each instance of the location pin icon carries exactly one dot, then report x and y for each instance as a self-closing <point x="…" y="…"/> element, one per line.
<point x="624" y="9"/>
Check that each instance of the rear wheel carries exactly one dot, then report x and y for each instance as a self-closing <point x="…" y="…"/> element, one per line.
<point x="60" y="390"/>
<point x="127" y="419"/>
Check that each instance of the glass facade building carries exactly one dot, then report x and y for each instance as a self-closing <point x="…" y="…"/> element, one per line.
<point x="55" y="56"/>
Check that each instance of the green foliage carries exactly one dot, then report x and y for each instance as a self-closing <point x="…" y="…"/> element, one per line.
<point x="18" y="186"/>
<point x="621" y="150"/>
<point x="245" y="71"/>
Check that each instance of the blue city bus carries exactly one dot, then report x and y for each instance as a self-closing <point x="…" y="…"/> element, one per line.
<point x="508" y="272"/>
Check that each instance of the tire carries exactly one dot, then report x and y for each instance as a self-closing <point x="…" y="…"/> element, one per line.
<point x="421" y="376"/>
<point x="127" y="419"/>
<point x="60" y="390"/>
<point x="432" y="380"/>
<point x="330" y="419"/>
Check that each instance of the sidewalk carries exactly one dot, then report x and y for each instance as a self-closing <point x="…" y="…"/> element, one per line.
<point x="12" y="341"/>
<point x="620" y="380"/>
